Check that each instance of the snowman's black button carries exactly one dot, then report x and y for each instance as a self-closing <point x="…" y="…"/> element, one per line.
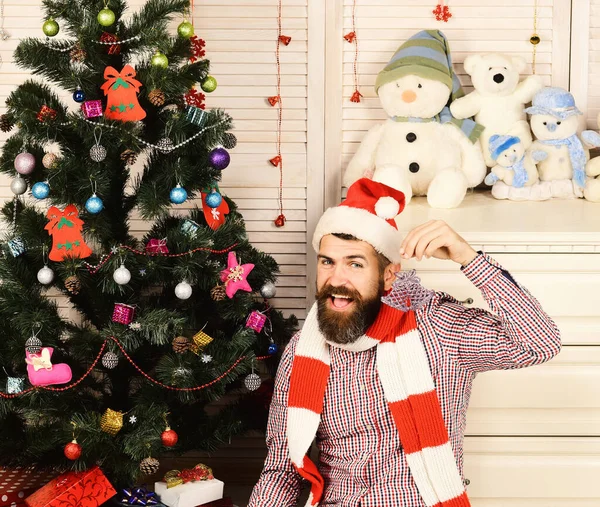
<point x="411" y="137"/>
<point x="413" y="167"/>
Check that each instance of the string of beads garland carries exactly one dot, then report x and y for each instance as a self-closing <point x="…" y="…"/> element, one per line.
<point x="106" y="257"/>
<point x="142" y="372"/>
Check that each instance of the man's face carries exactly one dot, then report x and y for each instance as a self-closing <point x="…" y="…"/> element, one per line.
<point x="350" y="284"/>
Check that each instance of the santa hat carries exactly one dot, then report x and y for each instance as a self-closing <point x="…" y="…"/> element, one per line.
<point x="368" y="214"/>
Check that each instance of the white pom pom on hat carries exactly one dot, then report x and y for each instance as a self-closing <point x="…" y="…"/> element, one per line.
<point x="368" y="214"/>
<point x="387" y="207"/>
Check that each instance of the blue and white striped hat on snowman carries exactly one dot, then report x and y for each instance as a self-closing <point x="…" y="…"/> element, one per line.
<point x="553" y="101"/>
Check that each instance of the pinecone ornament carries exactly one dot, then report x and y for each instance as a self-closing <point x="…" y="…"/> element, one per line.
<point x="149" y="466"/>
<point x="156" y="97"/>
<point x="218" y="293"/>
<point x="129" y="157"/>
<point x="181" y="345"/>
<point x="78" y="54"/>
<point x="229" y="141"/>
<point x="5" y="124"/>
<point x="73" y="284"/>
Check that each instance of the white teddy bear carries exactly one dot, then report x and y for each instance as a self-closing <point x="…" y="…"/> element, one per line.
<point x="421" y="149"/>
<point x="592" y="169"/>
<point x="515" y="176"/>
<point x="498" y="100"/>
<point x="564" y="158"/>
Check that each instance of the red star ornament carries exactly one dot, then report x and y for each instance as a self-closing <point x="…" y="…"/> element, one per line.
<point x="235" y="275"/>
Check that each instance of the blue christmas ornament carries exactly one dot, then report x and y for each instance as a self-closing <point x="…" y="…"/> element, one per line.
<point x="40" y="190"/>
<point x="213" y="199"/>
<point x="273" y="348"/>
<point x="94" y="205"/>
<point x="79" y="95"/>
<point x="178" y="195"/>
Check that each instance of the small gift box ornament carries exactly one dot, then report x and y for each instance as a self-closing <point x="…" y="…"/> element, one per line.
<point x="199" y="341"/>
<point x="14" y="385"/>
<point x="123" y="314"/>
<point x="16" y="247"/>
<point x="196" y="115"/>
<point x="46" y="114"/>
<point x="92" y="108"/>
<point x="111" y="421"/>
<point x="157" y="246"/>
<point x="190" y="227"/>
<point x="256" y="321"/>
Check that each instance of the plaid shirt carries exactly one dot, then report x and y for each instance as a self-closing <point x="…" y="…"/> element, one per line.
<point x="360" y="456"/>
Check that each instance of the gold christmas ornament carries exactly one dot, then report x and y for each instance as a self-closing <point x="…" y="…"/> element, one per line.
<point x="111" y="422"/>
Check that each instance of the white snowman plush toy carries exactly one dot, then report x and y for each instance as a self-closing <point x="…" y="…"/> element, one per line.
<point x="564" y="157"/>
<point x="421" y="149"/>
<point x="499" y="99"/>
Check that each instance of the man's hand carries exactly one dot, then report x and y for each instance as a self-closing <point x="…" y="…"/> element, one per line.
<point x="437" y="239"/>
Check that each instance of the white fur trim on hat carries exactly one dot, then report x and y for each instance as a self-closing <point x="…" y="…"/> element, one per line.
<point x="363" y="225"/>
<point x="387" y="207"/>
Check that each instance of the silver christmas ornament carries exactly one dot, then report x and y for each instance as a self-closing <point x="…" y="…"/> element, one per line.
<point x="252" y="382"/>
<point x="165" y="145"/>
<point x="18" y="186"/>
<point x="45" y="275"/>
<point x="122" y="275"/>
<point x="98" y="153"/>
<point x="268" y="290"/>
<point x="14" y="385"/>
<point x="110" y="360"/>
<point x="183" y="290"/>
<point x="33" y="345"/>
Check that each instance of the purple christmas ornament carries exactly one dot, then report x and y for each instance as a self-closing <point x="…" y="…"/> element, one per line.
<point x="25" y="163"/>
<point x="219" y="158"/>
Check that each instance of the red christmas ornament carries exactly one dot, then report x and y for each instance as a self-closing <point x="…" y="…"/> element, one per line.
<point x="285" y="40"/>
<point x="442" y="12"/>
<point x="280" y="220"/>
<point x="274" y="100"/>
<point x="121" y="89"/>
<point x="73" y="450"/>
<point x="275" y="160"/>
<point x="194" y="98"/>
<point x="113" y="49"/>
<point x="350" y="36"/>
<point x="446" y="14"/>
<point x="197" y="48"/>
<point x="169" y="437"/>
<point x="356" y="96"/>
<point x="46" y="114"/>
<point x="215" y="217"/>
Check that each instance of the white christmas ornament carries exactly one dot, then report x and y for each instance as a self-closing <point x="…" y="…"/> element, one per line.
<point x="183" y="290"/>
<point x="122" y="275"/>
<point x="45" y="275"/>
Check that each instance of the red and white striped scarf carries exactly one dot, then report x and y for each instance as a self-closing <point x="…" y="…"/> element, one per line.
<point x="409" y="391"/>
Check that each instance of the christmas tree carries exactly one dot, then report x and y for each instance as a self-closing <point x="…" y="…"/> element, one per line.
<point x="161" y="326"/>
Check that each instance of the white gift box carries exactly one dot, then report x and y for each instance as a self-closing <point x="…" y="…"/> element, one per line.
<point x="191" y="494"/>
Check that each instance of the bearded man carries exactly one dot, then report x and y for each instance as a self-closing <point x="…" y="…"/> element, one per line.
<point x="382" y="370"/>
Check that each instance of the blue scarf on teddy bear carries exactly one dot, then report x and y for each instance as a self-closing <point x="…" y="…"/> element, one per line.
<point x="576" y="154"/>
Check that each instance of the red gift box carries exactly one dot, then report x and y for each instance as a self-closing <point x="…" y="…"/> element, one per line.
<point x="157" y="246"/>
<point x="17" y="483"/>
<point x="74" y="489"/>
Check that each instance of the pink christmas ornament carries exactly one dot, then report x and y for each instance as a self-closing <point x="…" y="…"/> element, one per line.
<point x="123" y="314"/>
<point x="42" y="372"/>
<point x="256" y="321"/>
<point x="235" y="276"/>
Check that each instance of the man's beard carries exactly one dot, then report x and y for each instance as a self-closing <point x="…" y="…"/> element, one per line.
<point x="347" y="327"/>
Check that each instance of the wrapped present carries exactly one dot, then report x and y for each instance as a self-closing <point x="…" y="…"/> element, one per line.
<point x="189" y="227"/>
<point x="196" y="115"/>
<point x="123" y="314"/>
<point x="92" y="108"/>
<point x="199" y="341"/>
<point x="157" y="246"/>
<point x="46" y="114"/>
<point x="256" y="320"/>
<point x="189" y="488"/>
<point x="18" y="483"/>
<point x="137" y="496"/>
<point x="74" y="489"/>
<point x="16" y="247"/>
